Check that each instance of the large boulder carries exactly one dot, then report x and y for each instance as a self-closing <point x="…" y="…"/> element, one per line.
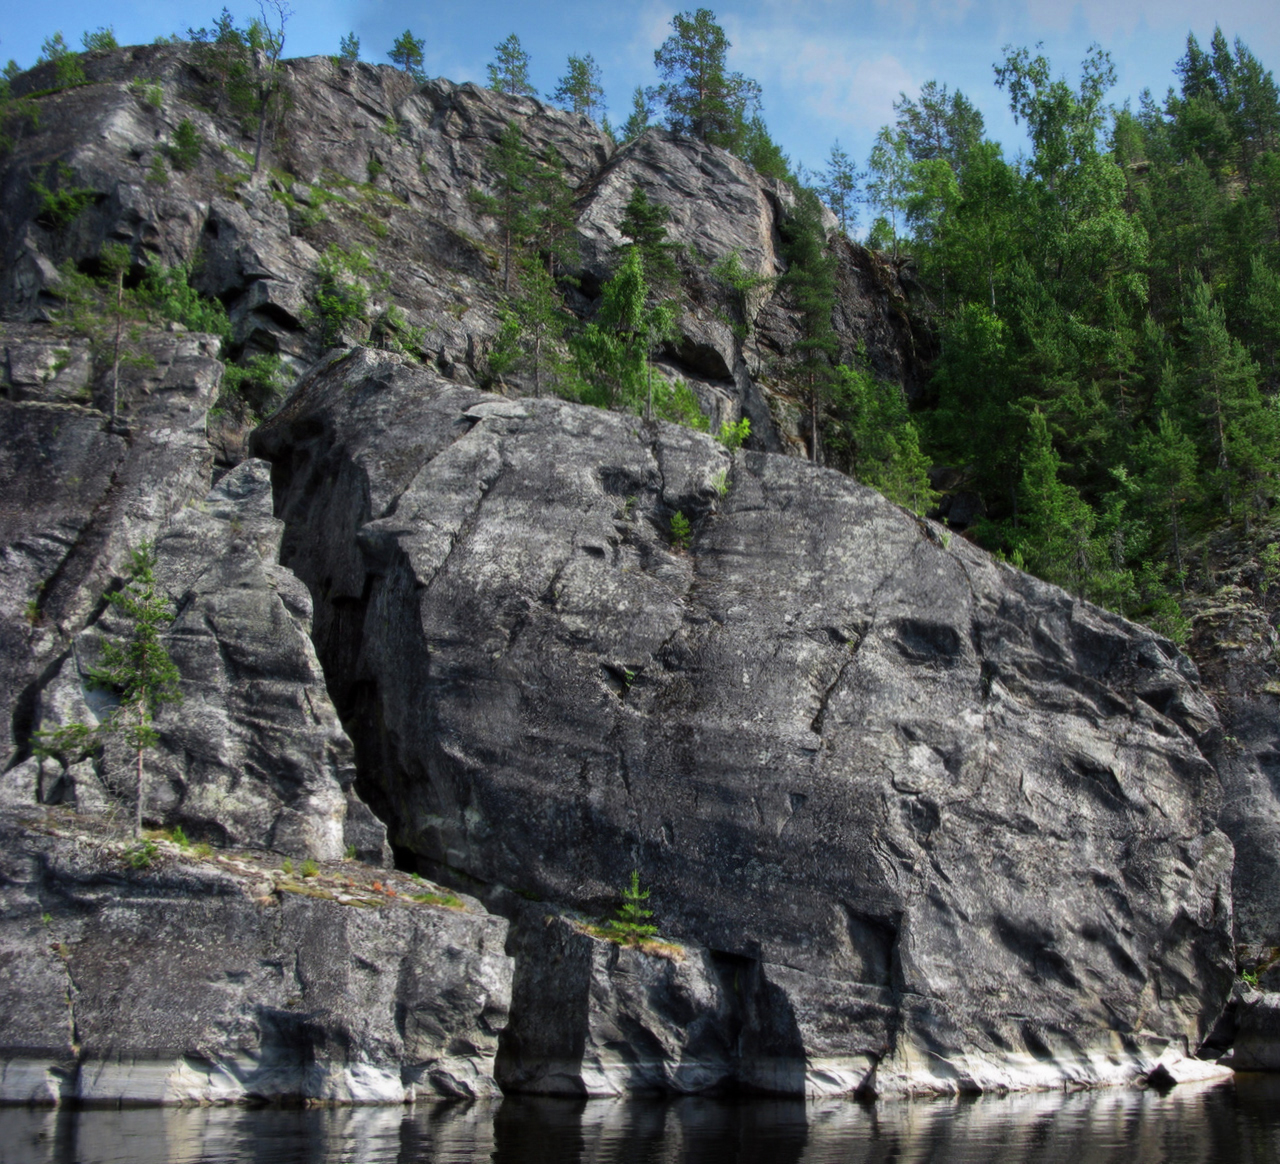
<point x="958" y="822"/>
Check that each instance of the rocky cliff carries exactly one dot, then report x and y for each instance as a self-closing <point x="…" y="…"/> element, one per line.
<point x="911" y="820"/>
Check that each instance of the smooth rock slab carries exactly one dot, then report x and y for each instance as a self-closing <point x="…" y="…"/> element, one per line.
<point x="966" y="815"/>
<point x="175" y="985"/>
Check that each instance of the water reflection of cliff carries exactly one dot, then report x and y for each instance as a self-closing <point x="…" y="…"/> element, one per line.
<point x="1189" y="1125"/>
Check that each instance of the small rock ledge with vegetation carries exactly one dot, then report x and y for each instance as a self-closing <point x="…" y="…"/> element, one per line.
<point x="457" y="654"/>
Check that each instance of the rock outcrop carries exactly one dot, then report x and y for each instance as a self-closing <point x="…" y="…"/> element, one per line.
<point x="218" y="979"/>
<point x="959" y="823"/>
<point x="912" y="820"/>
<point x="370" y="161"/>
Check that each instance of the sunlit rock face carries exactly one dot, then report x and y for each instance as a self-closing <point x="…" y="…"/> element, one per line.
<point x="957" y="823"/>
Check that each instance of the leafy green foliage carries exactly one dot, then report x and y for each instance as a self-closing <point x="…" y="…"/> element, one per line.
<point x="580" y="88"/>
<point x="168" y="292"/>
<point x="142" y="855"/>
<point x="64" y="202"/>
<point x="734" y="435"/>
<point x="840" y="187"/>
<point x="613" y="349"/>
<point x="701" y="97"/>
<point x="101" y="41"/>
<point x="184" y="150"/>
<point x="630" y="928"/>
<point x="681" y="531"/>
<point x="342" y="291"/>
<point x="810" y="284"/>
<point x="253" y="389"/>
<point x="349" y="49"/>
<point x="873" y="436"/>
<point x="644" y="223"/>
<point x="641" y="116"/>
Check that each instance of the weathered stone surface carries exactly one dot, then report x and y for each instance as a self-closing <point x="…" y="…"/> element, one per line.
<point x="369" y="160"/>
<point x="590" y="1017"/>
<point x="78" y="493"/>
<point x="254" y="754"/>
<point x="193" y="982"/>
<point x="961" y="821"/>
<point x="1257" y="1036"/>
<point x="1235" y="644"/>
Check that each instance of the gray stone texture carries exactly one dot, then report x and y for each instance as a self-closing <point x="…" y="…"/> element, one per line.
<point x="959" y="821"/>
<point x="191" y="982"/>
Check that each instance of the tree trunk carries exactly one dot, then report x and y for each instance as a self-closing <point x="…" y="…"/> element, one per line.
<point x="137" y="809"/>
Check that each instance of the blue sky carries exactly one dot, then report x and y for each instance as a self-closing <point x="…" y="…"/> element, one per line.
<point x="829" y="68"/>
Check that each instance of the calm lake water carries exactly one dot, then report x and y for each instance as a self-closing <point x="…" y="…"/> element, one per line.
<point x="1229" y="1122"/>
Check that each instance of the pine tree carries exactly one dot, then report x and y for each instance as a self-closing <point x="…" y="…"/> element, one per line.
<point x="513" y="201"/>
<point x="580" y="88"/>
<point x="1168" y="480"/>
<point x="645" y="224"/>
<point x="700" y="97"/>
<point x="1055" y="526"/>
<point x="407" y="53"/>
<point x="810" y="281"/>
<point x="137" y="669"/>
<point x="840" y="187"/>
<point x="641" y="116"/>
<point x="614" y="349"/>
<point x="509" y="71"/>
<point x="630" y="927"/>
<point x="349" y="49"/>
<point x="889" y="166"/>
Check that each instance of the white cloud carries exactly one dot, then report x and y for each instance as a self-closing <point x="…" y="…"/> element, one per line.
<point x="844" y="81"/>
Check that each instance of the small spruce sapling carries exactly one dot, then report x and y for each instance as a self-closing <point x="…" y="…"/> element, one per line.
<point x="629" y="928"/>
<point x="137" y="668"/>
<point x="681" y="531"/>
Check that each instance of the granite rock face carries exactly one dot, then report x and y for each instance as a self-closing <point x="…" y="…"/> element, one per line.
<point x="192" y="982"/>
<point x="254" y="754"/>
<point x="370" y="161"/>
<point x="960" y="823"/>
<point x="1236" y="645"/>
<point x="79" y="492"/>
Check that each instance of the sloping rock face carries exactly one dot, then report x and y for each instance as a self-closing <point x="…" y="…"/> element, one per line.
<point x="958" y="824"/>
<point x="80" y="492"/>
<point x="1236" y="644"/>
<point x="367" y="160"/>
<point x="255" y="755"/>
<point x="191" y="982"/>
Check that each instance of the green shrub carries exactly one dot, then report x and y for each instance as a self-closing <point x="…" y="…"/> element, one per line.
<point x="102" y="41"/>
<point x="252" y="390"/>
<point x="678" y="403"/>
<point x="184" y="150"/>
<point x="147" y="90"/>
<point x="310" y="868"/>
<point x="158" y="173"/>
<point x="681" y="531"/>
<point x="168" y="292"/>
<point x="62" y="204"/>
<point x="286" y="865"/>
<point x="179" y="837"/>
<point x="342" y="294"/>
<point x="734" y="436"/>
<point x="141" y="855"/>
